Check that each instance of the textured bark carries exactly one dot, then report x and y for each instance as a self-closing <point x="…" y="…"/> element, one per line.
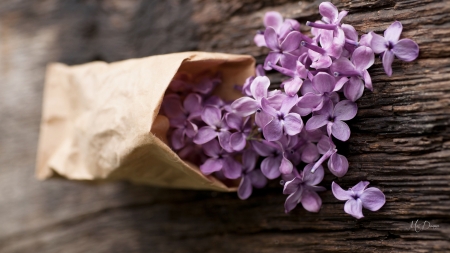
<point x="400" y="138"/>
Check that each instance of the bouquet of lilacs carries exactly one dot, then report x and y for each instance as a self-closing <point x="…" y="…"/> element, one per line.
<point x="288" y="133"/>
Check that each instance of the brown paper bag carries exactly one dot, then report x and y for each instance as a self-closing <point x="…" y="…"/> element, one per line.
<point x="100" y="121"/>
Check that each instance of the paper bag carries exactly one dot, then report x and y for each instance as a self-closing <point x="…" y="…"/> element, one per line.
<point x="100" y="121"/>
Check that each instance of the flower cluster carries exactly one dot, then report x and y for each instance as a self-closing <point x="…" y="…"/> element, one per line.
<point x="289" y="132"/>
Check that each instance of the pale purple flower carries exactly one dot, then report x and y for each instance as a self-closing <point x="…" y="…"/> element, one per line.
<point x="246" y="87"/>
<point x="243" y="128"/>
<point x="302" y="189"/>
<point x="337" y="164"/>
<point x="220" y="160"/>
<point x="390" y="45"/>
<point x="292" y="85"/>
<point x="251" y="177"/>
<point x="324" y="89"/>
<point x="281" y="49"/>
<point x="274" y="162"/>
<point x="216" y="127"/>
<point x="358" y="197"/>
<point x="246" y="106"/>
<point x="275" y="20"/>
<point x="333" y="118"/>
<point x="283" y="122"/>
<point x="356" y="69"/>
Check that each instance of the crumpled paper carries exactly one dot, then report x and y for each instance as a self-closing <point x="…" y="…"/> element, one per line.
<point x="100" y="121"/>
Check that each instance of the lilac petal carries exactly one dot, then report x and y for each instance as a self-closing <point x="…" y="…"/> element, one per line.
<point x="273" y="19"/>
<point x="365" y="40"/>
<point x="354" y="89"/>
<point x="292" y="200"/>
<point x="193" y="102"/>
<point x="172" y="107"/>
<point x="273" y="131"/>
<point x="338" y="165"/>
<point x="367" y="80"/>
<point x="204" y="135"/>
<point x="313" y="178"/>
<point x="340" y="83"/>
<point x="178" y="139"/>
<point x="310" y="153"/>
<point x="288" y="103"/>
<point x="292" y="186"/>
<point x="249" y="158"/>
<point x="211" y="115"/>
<point x="360" y="187"/>
<point x="350" y="32"/>
<point x="373" y="199"/>
<point x="339" y="193"/>
<point x="262" y="148"/>
<point x="322" y="62"/>
<point x="288" y="26"/>
<point x="316" y="121"/>
<point x="388" y="58"/>
<point x="345" y="110"/>
<point x="406" y="50"/>
<point x="392" y="33"/>
<point x="262" y="119"/>
<point x="343" y="66"/>
<point x="293" y="124"/>
<point x="311" y="201"/>
<point x="292" y="86"/>
<point x="257" y="178"/>
<point x="259" y="40"/>
<point x="337" y="47"/>
<point x="205" y="86"/>
<point x="191" y="129"/>
<point x="267" y="108"/>
<point x="291" y="42"/>
<point x="341" y="15"/>
<point x="224" y="140"/>
<point x="323" y="82"/>
<point x="288" y="60"/>
<point x="237" y="141"/>
<point x="245" y="188"/>
<point x="231" y="168"/>
<point x="310" y="100"/>
<point x="271" y="59"/>
<point x="212" y="149"/>
<point x="259" y="87"/>
<point x="329" y="11"/>
<point x="275" y="99"/>
<point x="363" y="58"/>
<point x="286" y="166"/>
<point x="378" y="43"/>
<point x="270" y="35"/>
<point x="354" y="208"/>
<point x="211" y="165"/>
<point x="234" y="121"/>
<point x="340" y="130"/>
<point x="270" y="167"/>
<point x="245" y="106"/>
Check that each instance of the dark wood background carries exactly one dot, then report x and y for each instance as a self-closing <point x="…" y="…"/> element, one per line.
<point x="400" y="138"/>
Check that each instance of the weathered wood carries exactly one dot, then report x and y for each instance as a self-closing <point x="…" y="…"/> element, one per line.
<point x="400" y="138"/>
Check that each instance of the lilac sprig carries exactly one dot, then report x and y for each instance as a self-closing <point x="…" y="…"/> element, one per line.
<point x="290" y="132"/>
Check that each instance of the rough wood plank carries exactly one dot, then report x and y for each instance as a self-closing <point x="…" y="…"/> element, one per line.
<point x="400" y="138"/>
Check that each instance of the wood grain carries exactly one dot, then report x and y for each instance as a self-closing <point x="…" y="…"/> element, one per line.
<point x="400" y="138"/>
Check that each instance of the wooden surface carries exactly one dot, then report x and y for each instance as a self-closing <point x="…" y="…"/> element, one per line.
<point x="400" y="138"/>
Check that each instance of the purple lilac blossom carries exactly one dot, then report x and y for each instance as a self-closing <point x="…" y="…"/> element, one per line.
<point x="359" y="196"/>
<point x="220" y="160"/>
<point x="251" y="177"/>
<point x="390" y="45"/>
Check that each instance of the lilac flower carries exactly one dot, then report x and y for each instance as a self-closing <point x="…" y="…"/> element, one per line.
<point x="246" y="87"/>
<point x="333" y="118"/>
<point x="216" y="127"/>
<point x="243" y="127"/>
<point x="283" y="121"/>
<point x="246" y="106"/>
<point x="275" y="20"/>
<point x="251" y="177"/>
<point x="362" y="59"/>
<point x="337" y="164"/>
<point x="302" y="188"/>
<point x="281" y="50"/>
<point x="404" y="49"/>
<point x="274" y="162"/>
<point x="358" y="197"/>
<point x="220" y="160"/>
